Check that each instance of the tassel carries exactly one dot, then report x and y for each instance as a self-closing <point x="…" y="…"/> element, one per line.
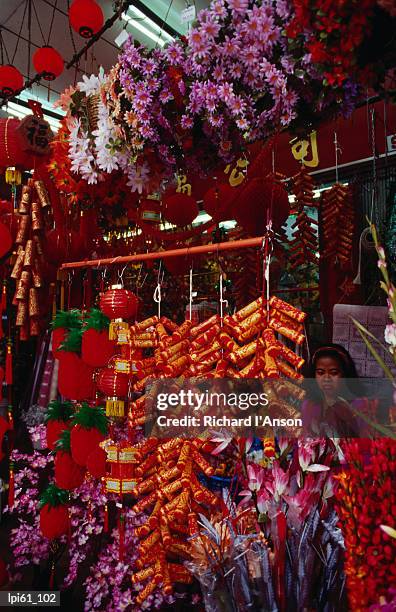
<point x="11" y="487"/>
<point x="8" y="366"/>
<point x="121" y="532"/>
<point x="52" y="577"/>
<point x="106" y="519"/>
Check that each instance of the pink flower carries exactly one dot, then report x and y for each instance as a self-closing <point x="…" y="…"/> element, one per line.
<point x="280" y="482"/>
<point x="255" y="476"/>
<point x="236" y="105"/>
<point x="239" y="7"/>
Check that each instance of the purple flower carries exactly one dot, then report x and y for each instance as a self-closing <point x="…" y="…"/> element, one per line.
<point x="239" y="7"/>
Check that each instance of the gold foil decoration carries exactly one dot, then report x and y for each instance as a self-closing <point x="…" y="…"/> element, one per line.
<point x="122" y="365"/>
<point x="29" y="254"/>
<point x="22" y="314"/>
<point x="115" y="408"/>
<point x="42" y="193"/>
<point x="34" y="327"/>
<point x="36" y="272"/>
<point x="37" y="217"/>
<point x="24" y="204"/>
<point x="23" y="286"/>
<point x="18" y="265"/>
<point x="23" y="229"/>
<point x="34" y="309"/>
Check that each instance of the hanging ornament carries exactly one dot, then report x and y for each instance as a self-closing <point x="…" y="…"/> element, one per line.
<point x="122" y="459"/>
<point x="180" y="209"/>
<point x="54" y="513"/>
<point x="118" y="303"/>
<point x="89" y="430"/>
<point x="86" y="17"/>
<point x="68" y="475"/>
<point x="57" y="420"/>
<point x="11" y="80"/>
<point x="96" y="348"/>
<point x="48" y="62"/>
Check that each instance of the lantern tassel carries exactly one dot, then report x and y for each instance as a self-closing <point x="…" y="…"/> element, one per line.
<point x="121" y="532"/>
<point x="106" y="519"/>
<point x="8" y="366"/>
<point x="11" y="487"/>
<point x="52" y="576"/>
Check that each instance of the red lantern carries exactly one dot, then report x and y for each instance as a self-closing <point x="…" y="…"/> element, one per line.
<point x="48" y="62"/>
<point x="150" y="211"/>
<point x="96" y="348"/>
<point x="118" y="303"/>
<point x="218" y="201"/>
<point x="11" y="80"/>
<point x="96" y="462"/>
<point x="75" y="378"/>
<point x="54" y="430"/>
<point x="112" y="383"/>
<point x="251" y="206"/>
<point x="68" y="475"/>
<point x="54" y="521"/>
<point x="86" y="17"/>
<point x="83" y="442"/>
<point x="180" y="209"/>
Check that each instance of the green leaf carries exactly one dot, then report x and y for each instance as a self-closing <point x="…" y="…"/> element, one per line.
<point x="364" y="333"/>
<point x="91" y="417"/>
<point x="63" y="443"/>
<point x="72" y="342"/>
<point x="53" y="496"/>
<point x="69" y="319"/>
<point x="97" y="320"/>
<point x="59" y="411"/>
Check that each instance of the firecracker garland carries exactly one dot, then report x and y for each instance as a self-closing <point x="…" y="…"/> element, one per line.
<point x="304" y="245"/>
<point x="337" y="222"/>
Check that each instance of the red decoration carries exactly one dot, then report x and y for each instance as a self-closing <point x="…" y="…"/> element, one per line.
<point x="5" y="240"/>
<point x="53" y="432"/>
<point x="119" y="303"/>
<point x="97" y="349"/>
<point x="58" y="336"/>
<point x="3" y="573"/>
<point x="218" y="201"/>
<point x="68" y="475"/>
<point x="112" y="383"/>
<point x="180" y="209"/>
<point x="48" y="62"/>
<point x="11" y="80"/>
<point x="75" y="378"/>
<point x="96" y="462"/>
<point x="4" y="427"/>
<point x="261" y="196"/>
<point x="149" y="211"/>
<point x="11" y="146"/>
<point x="83" y="442"/>
<point x="54" y="521"/>
<point x="86" y="17"/>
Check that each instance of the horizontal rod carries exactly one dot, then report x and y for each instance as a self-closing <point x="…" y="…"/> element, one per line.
<point x="204" y="248"/>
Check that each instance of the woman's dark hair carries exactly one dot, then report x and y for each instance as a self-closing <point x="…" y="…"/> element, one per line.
<point x="346" y="363"/>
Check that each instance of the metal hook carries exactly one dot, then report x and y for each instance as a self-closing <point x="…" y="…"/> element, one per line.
<point x="121" y="274"/>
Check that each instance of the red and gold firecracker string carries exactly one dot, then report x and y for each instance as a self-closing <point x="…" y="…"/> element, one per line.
<point x="337" y="222"/>
<point x="304" y="244"/>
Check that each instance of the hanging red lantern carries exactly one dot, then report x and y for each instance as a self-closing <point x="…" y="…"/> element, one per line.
<point x="118" y="303"/>
<point x="11" y="80"/>
<point x="180" y="209"/>
<point x="68" y="475"/>
<point x="254" y="202"/>
<point x="96" y="462"/>
<point x="86" y="17"/>
<point x="11" y="146"/>
<point x="54" y="521"/>
<point x="218" y="201"/>
<point x="112" y="383"/>
<point x="48" y="62"/>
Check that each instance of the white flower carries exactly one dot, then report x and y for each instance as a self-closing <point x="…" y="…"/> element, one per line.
<point x="105" y="159"/>
<point x="138" y="177"/>
<point x="91" y="85"/>
<point x="390" y="335"/>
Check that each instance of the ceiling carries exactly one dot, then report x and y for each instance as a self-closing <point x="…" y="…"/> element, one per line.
<point x="14" y="20"/>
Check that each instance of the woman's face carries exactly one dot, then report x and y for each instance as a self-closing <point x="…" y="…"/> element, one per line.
<point x="328" y="375"/>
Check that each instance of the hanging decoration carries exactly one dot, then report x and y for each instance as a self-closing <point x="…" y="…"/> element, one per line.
<point x="337" y="225"/>
<point x="57" y="418"/>
<point x="54" y="513"/>
<point x="89" y="429"/>
<point x="48" y="62"/>
<point x="96" y="348"/>
<point x="86" y="17"/>
<point x="11" y="80"/>
<point x="304" y="245"/>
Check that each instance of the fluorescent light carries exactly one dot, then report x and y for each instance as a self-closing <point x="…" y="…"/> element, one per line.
<point x="157" y="38"/>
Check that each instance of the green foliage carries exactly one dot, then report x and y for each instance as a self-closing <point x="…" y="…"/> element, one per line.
<point x="97" y="320"/>
<point x="91" y="418"/>
<point x="69" y="319"/>
<point x="53" y="496"/>
<point x="63" y="443"/>
<point x="59" y="411"/>
<point x="73" y="340"/>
